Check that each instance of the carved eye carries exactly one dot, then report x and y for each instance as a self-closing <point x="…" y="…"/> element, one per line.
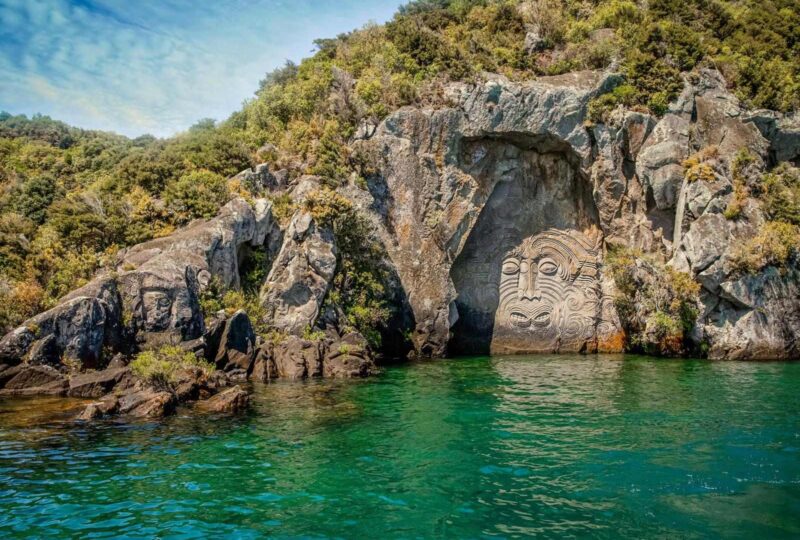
<point x="510" y="266"/>
<point x="548" y="267"/>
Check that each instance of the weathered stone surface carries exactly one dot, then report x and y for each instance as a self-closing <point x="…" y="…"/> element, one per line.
<point x="460" y="187"/>
<point x="147" y="403"/>
<point x="260" y="178"/>
<point x="232" y="400"/>
<point x="264" y="368"/>
<point x="153" y="299"/>
<point x="349" y="357"/>
<point x="99" y="383"/>
<point x="107" y="406"/>
<point x="237" y="346"/>
<point x="297" y="358"/>
<point x="32" y="380"/>
<point x="45" y="351"/>
<point x="300" y="275"/>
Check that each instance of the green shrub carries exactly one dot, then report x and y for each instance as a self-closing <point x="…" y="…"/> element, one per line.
<point x="657" y="305"/>
<point x="775" y="243"/>
<point x="198" y="194"/>
<point x="160" y="367"/>
<point x="359" y="282"/>
<point x="780" y="194"/>
<point x="600" y="107"/>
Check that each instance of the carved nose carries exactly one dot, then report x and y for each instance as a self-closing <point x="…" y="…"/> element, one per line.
<point x="528" y="289"/>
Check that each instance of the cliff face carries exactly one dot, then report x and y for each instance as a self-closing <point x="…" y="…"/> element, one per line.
<point x="497" y="213"/>
<point x="499" y="210"/>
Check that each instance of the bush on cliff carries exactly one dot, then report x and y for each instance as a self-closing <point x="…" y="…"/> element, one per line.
<point x="359" y="285"/>
<point x="657" y="305"/>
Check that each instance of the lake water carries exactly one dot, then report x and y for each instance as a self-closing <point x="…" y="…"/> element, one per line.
<point x="559" y="446"/>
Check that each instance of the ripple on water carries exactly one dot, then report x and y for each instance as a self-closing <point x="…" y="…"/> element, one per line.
<point x="507" y="447"/>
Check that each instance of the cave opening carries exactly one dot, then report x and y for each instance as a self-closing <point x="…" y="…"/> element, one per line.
<point x="526" y="278"/>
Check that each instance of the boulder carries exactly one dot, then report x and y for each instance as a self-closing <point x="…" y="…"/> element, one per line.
<point x="237" y="346"/>
<point x="107" y="406"/>
<point x="147" y="403"/>
<point x="232" y="400"/>
<point x="264" y="368"/>
<point x="297" y="358"/>
<point x="349" y="357"/>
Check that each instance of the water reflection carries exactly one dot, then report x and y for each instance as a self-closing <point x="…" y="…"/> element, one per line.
<point x="555" y="446"/>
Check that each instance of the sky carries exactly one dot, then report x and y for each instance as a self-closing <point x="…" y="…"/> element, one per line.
<point x="157" y="66"/>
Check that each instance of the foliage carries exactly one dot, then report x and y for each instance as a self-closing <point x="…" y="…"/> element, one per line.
<point x="657" y="305"/>
<point x="359" y="285"/>
<point x="160" y="367"/>
<point x="775" y="243"/>
<point x="22" y="301"/>
<point x="701" y="165"/>
<point x="198" y="194"/>
<point x="780" y="194"/>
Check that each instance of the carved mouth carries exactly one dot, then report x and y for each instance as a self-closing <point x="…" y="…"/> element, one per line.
<point x="521" y="320"/>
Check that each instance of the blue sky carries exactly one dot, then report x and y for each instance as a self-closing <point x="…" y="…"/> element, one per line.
<point x="156" y="66"/>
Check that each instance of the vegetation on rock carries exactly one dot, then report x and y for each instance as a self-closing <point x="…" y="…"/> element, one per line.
<point x="160" y="367"/>
<point x="657" y="305"/>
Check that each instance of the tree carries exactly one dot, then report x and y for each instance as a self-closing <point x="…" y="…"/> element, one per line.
<point x="198" y="194"/>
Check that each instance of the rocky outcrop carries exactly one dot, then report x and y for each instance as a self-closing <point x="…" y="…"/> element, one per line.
<point x="296" y="358"/>
<point x="237" y="345"/>
<point x="463" y="187"/>
<point x="152" y="298"/>
<point x="300" y="276"/>
<point x="497" y="210"/>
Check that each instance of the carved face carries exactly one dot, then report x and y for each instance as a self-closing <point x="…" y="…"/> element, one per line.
<point x="549" y="293"/>
<point x="158" y="310"/>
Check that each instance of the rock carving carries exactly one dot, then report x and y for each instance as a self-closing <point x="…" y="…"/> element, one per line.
<point x="549" y="294"/>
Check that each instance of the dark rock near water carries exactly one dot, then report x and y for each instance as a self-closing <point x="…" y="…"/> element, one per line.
<point x="237" y="345"/>
<point x="98" y="383"/>
<point x="32" y="380"/>
<point x="232" y="400"/>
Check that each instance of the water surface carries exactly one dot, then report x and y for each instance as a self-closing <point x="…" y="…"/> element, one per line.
<point x="568" y="446"/>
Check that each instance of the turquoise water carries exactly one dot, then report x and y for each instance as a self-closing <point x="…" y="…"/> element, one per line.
<point x="506" y="447"/>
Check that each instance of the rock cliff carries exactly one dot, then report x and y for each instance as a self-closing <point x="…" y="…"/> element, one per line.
<point x="497" y="211"/>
